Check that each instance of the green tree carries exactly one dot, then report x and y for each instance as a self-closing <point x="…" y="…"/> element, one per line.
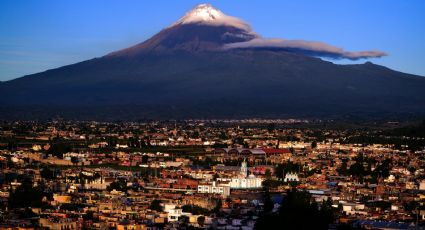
<point x="271" y="127"/>
<point x="184" y="221"/>
<point x="26" y="195"/>
<point x="156" y="205"/>
<point x="218" y="206"/>
<point x="145" y="159"/>
<point x="267" y="200"/>
<point x="342" y="170"/>
<point x="313" y="144"/>
<point x="215" y="176"/>
<point x="201" y="220"/>
<point x="47" y="173"/>
<point x="268" y="174"/>
<point x="298" y="211"/>
<point x="59" y="148"/>
<point x="118" y="185"/>
<point x="74" y="160"/>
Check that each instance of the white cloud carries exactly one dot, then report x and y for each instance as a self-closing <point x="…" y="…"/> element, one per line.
<point x="308" y="47"/>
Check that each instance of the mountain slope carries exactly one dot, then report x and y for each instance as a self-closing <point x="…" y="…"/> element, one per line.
<point x="184" y="72"/>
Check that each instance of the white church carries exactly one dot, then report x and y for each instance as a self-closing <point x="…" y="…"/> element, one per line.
<point x="291" y="177"/>
<point x="243" y="181"/>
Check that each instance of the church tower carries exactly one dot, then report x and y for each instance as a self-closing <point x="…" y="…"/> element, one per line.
<point x="244" y="169"/>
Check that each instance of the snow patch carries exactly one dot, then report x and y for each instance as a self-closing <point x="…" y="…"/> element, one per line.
<point x="208" y="15"/>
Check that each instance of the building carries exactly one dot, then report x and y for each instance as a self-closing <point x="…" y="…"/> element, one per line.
<point x="215" y="188"/>
<point x="290" y="177"/>
<point x="58" y="223"/>
<point x="243" y="181"/>
<point x="422" y="185"/>
<point x="174" y="213"/>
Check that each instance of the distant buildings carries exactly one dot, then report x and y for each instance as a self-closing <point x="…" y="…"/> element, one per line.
<point x="58" y="223"/>
<point x="94" y="185"/>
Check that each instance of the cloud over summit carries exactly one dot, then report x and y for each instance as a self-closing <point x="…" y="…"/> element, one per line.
<point x="206" y="14"/>
<point x="312" y="48"/>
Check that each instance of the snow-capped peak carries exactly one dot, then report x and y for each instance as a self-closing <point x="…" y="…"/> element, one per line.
<point x="203" y="12"/>
<point x="207" y="14"/>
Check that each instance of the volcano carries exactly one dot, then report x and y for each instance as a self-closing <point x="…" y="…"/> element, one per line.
<point x="211" y="65"/>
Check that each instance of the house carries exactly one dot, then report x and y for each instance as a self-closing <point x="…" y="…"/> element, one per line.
<point x="222" y="189"/>
<point x="291" y="177"/>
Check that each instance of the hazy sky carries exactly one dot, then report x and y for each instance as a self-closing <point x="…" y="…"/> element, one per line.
<point x="36" y="35"/>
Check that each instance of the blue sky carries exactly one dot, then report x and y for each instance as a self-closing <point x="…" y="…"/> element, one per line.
<point x="36" y="35"/>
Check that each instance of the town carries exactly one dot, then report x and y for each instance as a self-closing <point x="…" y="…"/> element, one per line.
<point x="211" y="174"/>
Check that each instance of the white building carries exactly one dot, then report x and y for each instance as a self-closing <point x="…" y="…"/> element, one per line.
<point x="214" y="188"/>
<point x="209" y="175"/>
<point x="174" y="213"/>
<point x="290" y="177"/>
<point x="243" y="181"/>
<point x="98" y="183"/>
<point x="169" y="164"/>
<point x="390" y="179"/>
<point x="67" y="156"/>
<point x="422" y="185"/>
<point x="353" y="208"/>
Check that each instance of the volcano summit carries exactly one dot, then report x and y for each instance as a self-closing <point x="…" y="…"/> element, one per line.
<point x="210" y="65"/>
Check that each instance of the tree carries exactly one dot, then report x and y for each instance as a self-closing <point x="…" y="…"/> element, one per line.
<point x="89" y="215"/>
<point x="271" y="127"/>
<point x="342" y="170"/>
<point x="184" y="221"/>
<point x="327" y="211"/>
<point x="238" y="141"/>
<point x="156" y="205"/>
<point x="215" y="176"/>
<point x="74" y="160"/>
<point x="118" y="185"/>
<point x="410" y="206"/>
<point x="358" y="168"/>
<point x="298" y="211"/>
<point x="47" y="173"/>
<point x="218" y="206"/>
<point x="59" y="148"/>
<point x="411" y="169"/>
<point x="383" y="169"/>
<point x="270" y="183"/>
<point x="201" y="220"/>
<point x="268" y="174"/>
<point x="26" y="195"/>
<point x="145" y="159"/>
<point x="313" y="144"/>
<point x="268" y="203"/>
